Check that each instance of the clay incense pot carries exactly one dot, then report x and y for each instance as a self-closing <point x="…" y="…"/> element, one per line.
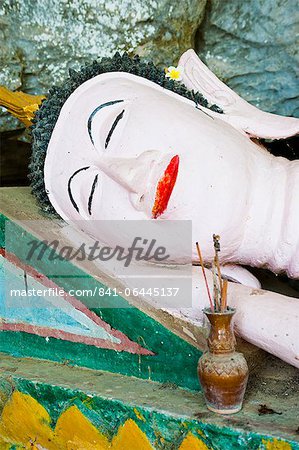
<point x="222" y="372"/>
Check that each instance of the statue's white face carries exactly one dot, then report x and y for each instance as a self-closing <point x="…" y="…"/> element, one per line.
<point x="114" y="140"/>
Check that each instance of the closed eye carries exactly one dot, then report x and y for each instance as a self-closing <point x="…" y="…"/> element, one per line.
<point x="94" y="113"/>
<point x="94" y="185"/>
<point x="118" y="118"/>
<point x="69" y="187"/>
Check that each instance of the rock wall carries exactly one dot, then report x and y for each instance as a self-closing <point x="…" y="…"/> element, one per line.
<point x="252" y="46"/>
<point x="41" y="39"/>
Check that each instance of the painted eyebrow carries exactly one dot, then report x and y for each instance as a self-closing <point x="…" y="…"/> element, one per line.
<point x="69" y="187"/>
<point x="94" y="185"/>
<point x="118" y="118"/>
<point x="89" y="122"/>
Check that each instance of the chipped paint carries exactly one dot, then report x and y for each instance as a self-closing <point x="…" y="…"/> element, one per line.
<point x="72" y="430"/>
<point x="139" y="415"/>
<point x="192" y="443"/>
<point x="276" y="444"/>
<point x="111" y="428"/>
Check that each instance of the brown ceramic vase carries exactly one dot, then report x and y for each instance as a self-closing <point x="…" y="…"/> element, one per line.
<point x="222" y="372"/>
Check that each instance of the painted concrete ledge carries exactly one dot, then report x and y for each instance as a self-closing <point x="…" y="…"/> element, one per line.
<point x="153" y="344"/>
<point x="58" y="406"/>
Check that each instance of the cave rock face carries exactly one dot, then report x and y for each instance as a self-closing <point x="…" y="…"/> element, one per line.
<point x="252" y="46"/>
<point x="41" y="40"/>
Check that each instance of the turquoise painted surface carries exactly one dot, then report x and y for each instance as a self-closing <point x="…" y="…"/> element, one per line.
<point x="34" y="310"/>
<point x="48" y="311"/>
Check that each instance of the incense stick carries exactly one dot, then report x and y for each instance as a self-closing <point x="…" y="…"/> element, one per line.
<point x="216" y="292"/>
<point x="204" y="275"/>
<point x="217" y="250"/>
<point x="224" y="296"/>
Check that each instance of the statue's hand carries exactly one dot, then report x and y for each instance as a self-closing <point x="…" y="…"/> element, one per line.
<point x="240" y="275"/>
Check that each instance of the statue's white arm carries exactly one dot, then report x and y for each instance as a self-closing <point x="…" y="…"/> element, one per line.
<point x="238" y="113"/>
<point x="264" y="318"/>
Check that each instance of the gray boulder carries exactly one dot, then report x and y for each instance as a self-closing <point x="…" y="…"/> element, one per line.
<point x="41" y="40"/>
<point x="253" y="47"/>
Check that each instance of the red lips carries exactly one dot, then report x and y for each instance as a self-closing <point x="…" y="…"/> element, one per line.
<point x="165" y="187"/>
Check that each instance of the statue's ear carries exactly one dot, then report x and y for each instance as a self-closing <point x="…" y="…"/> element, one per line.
<point x="237" y="112"/>
<point x="198" y="77"/>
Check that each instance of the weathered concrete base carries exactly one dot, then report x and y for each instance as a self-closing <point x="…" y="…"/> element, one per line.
<point x="68" y="407"/>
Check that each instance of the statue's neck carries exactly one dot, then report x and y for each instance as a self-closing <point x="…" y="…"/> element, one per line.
<point x="271" y="236"/>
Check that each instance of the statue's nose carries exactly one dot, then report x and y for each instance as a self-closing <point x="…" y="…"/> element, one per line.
<point x="148" y="176"/>
<point x="131" y="173"/>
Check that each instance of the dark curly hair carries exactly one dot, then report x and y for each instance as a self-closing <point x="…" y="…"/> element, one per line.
<point x="46" y="117"/>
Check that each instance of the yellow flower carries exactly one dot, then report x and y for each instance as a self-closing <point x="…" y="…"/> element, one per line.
<point x="174" y="73"/>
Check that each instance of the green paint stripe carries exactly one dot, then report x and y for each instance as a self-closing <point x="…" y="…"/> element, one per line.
<point x="181" y="371"/>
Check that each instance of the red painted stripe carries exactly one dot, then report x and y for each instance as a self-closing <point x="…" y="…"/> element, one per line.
<point x="64" y="335"/>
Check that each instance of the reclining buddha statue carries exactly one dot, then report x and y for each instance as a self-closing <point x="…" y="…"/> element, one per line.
<point x="122" y="140"/>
